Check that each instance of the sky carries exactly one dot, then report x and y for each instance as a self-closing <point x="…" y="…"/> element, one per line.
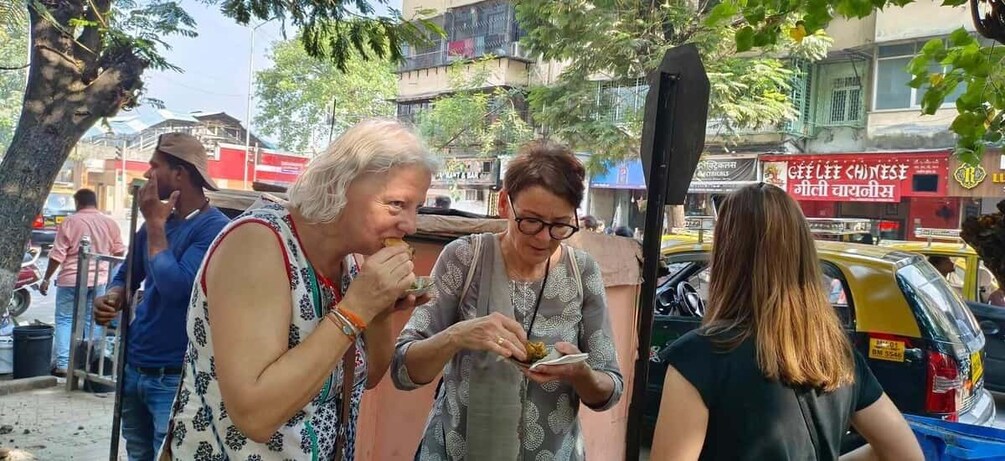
<point x="215" y="64"/>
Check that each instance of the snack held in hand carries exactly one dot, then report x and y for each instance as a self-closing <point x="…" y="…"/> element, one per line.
<point x="388" y="242"/>
<point x="536" y="350"/>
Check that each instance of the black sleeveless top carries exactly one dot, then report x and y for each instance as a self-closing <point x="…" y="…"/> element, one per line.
<point x="754" y="418"/>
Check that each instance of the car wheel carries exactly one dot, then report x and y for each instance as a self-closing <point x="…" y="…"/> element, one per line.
<point x="19" y="303"/>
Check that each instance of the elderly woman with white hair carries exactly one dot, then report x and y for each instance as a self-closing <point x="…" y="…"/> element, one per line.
<point x="287" y="324"/>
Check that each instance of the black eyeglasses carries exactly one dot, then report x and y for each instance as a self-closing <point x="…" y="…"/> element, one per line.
<point x="532" y="226"/>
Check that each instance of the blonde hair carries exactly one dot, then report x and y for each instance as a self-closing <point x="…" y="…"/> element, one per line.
<point x="766" y="282"/>
<point x="370" y="146"/>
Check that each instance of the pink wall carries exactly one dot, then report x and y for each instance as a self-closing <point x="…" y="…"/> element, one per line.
<point x="391" y="421"/>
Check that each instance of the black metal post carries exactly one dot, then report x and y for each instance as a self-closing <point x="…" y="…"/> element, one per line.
<point x="651" y="243"/>
<point x="124" y="317"/>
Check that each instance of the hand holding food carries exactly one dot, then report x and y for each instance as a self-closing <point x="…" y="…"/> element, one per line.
<point x="494" y="333"/>
<point x="536" y="350"/>
<point x="567" y="372"/>
<point x="382" y="280"/>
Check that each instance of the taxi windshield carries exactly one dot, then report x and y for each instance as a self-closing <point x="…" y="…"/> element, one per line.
<point x="938" y="304"/>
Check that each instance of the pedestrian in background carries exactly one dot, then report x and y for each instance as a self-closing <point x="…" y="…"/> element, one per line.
<point x="442" y="202"/>
<point x="770" y="374"/>
<point x="106" y="239"/>
<point x="589" y="223"/>
<point x="178" y="229"/>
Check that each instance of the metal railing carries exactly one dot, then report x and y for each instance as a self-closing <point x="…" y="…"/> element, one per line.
<point x="93" y="352"/>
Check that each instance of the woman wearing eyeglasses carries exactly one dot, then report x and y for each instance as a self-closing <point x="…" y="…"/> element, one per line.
<point x="496" y="292"/>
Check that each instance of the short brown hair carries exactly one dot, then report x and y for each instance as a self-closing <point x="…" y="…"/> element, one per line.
<point x="550" y="165"/>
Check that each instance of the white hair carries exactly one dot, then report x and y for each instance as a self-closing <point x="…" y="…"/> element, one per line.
<point x="371" y="146"/>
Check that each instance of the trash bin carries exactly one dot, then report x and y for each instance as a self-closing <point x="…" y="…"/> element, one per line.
<point x="32" y="350"/>
<point x="6" y="355"/>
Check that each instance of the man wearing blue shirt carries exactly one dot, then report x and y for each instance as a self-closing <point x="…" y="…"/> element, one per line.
<point x="179" y="228"/>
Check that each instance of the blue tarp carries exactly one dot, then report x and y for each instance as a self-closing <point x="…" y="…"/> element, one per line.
<point x="942" y="440"/>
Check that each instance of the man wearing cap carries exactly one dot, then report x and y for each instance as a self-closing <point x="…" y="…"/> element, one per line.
<point x="179" y="228"/>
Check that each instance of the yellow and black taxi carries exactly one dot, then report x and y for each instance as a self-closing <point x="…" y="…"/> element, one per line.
<point x="852" y="230"/>
<point x="921" y="341"/>
<point x="970" y="278"/>
<point x="58" y="205"/>
<point x="975" y="284"/>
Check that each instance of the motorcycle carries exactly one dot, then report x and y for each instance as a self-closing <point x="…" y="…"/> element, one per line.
<point x="28" y="277"/>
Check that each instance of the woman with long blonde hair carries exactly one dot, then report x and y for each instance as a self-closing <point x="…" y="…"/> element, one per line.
<point x="771" y="374"/>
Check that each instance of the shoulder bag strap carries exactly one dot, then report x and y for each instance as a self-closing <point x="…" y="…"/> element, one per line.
<point x="476" y="253"/>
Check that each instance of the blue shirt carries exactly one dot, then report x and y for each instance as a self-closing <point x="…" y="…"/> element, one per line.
<point x="157" y="335"/>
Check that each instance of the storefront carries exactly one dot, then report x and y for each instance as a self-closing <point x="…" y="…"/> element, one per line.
<point x="715" y="176"/>
<point x="615" y="195"/>
<point x="468" y="181"/>
<point x="908" y="189"/>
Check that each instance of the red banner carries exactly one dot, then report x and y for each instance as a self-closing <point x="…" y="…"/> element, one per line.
<point x="859" y="177"/>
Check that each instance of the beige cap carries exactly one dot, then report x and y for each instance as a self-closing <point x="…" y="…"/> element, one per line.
<point x="188" y="149"/>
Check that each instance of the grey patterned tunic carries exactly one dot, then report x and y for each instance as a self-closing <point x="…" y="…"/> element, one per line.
<point x="550" y="426"/>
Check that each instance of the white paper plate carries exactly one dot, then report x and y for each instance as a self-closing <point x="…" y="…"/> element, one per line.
<point x="563" y="360"/>
<point x="553" y="358"/>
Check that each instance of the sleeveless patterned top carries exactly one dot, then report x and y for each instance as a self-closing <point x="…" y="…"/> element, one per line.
<point x="200" y="427"/>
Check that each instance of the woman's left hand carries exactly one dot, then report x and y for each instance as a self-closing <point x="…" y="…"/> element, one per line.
<point x="567" y="373"/>
<point x="411" y="301"/>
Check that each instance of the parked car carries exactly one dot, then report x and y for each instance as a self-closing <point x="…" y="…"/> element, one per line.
<point x="57" y="207"/>
<point x="920" y="340"/>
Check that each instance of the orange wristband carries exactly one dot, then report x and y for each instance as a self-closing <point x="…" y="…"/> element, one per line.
<point x="351" y="317"/>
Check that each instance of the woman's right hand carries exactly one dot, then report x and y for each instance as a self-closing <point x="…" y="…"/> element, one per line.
<point x="382" y="280"/>
<point x="494" y="333"/>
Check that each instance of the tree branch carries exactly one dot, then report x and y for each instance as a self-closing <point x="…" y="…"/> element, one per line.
<point x="90" y="38"/>
<point x="25" y="66"/>
<point x="69" y="59"/>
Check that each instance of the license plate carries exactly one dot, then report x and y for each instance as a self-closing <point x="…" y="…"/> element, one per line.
<point x="59" y="219"/>
<point x="885" y="349"/>
<point x="976" y="367"/>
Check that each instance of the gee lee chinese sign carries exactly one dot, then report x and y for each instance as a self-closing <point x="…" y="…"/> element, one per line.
<point x="865" y="178"/>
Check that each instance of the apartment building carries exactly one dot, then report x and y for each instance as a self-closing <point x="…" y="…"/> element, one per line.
<point x="856" y="114"/>
<point x="474" y="29"/>
<point x="863" y="149"/>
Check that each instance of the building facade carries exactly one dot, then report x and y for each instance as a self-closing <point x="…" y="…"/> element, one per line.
<point x="118" y="153"/>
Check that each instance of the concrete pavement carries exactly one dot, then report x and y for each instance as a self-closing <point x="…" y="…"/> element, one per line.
<point x="57" y="425"/>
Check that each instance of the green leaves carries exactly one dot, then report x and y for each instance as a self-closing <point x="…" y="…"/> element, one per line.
<point x="336" y="30"/>
<point x="304" y="102"/>
<point x="745" y="39"/>
<point x="472" y="119"/>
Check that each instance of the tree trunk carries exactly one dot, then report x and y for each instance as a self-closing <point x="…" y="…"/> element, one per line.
<point x="71" y="84"/>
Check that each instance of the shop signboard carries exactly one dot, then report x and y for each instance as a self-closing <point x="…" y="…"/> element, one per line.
<point x="885" y="177"/>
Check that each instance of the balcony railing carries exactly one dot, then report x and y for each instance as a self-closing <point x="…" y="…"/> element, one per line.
<point x="469" y="48"/>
